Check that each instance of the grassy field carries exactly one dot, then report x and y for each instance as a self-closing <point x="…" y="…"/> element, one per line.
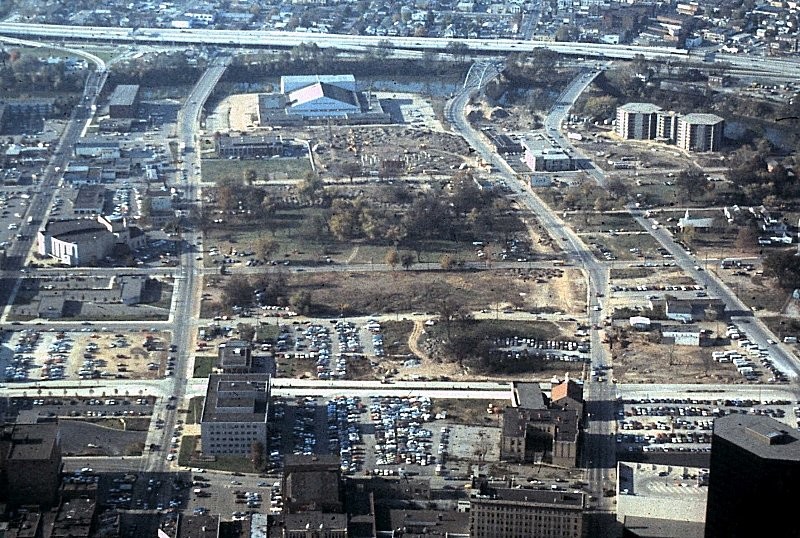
<point x="203" y="364"/>
<point x="214" y="170"/>
<point x="297" y="244"/>
<point x="235" y="464"/>
<point x="195" y="408"/>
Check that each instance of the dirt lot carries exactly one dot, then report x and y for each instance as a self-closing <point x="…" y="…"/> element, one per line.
<point x="420" y="151"/>
<point x="646" y="362"/>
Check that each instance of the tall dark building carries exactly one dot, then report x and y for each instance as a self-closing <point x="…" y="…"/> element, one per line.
<point x="755" y="468"/>
<point x="31" y="463"/>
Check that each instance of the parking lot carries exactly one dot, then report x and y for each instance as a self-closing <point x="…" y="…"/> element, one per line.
<point x="335" y="349"/>
<point x="14" y="204"/>
<point x="34" y="355"/>
<point x="685" y="424"/>
<point x="384" y="436"/>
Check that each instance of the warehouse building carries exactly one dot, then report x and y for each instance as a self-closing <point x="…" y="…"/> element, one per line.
<point x="124" y="101"/>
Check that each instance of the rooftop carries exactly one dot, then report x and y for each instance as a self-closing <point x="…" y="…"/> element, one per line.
<point x="124" y="95"/>
<point x="640" y="108"/>
<point x="533" y="496"/>
<point x="236" y="398"/>
<point x="527" y="395"/>
<point x="198" y="527"/>
<point x="315" y="520"/>
<point x="33" y="441"/>
<point x="417" y="523"/>
<point x="702" y="119"/>
<point x="763" y="436"/>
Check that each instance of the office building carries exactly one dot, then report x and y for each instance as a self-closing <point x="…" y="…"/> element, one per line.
<point x="755" y="468"/>
<point x="235" y="413"/>
<point x="526" y="512"/>
<point x="31" y="461"/>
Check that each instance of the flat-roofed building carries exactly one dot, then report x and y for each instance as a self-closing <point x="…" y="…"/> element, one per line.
<point x="124" y="101"/>
<point x="312" y="483"/>
<point x="235" y="357"/>
<point x="97" y="148"/>
<point x="86" y="241"/>
<point x="251" y="147"/>
<point x="89" y="200"/>
<point x="542" y="155"/>
<point x="700" y="132"/>
<point x="755" y="467"/>
<point x="235" y="413"/>
<point x="637" y="121"/>
<point x="197" y="526"/>
<point x="314" y="524"/>
<point x="526" y="512"/>
<point x="407" y="523"/>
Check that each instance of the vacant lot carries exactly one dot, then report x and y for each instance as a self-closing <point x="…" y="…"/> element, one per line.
<point x="214" y="170"/>
<point x="406" y="291"/>
<point x="642" y="361"/>
<point x="756" y="291"/>
<point x="584" y="221"/>
<point x="623" y="246"/>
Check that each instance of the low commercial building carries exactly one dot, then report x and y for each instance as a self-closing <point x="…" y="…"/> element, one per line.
<point x="542" y="155"/>
<point x="89" y="200"/>
<point x="254" y="147"/>
<point x="235" y="413"/>
<point x="314" y="524"/>
<point x="86" y="241"/>
<point x="526" y="512"/>
<point x="97" y="148"/>
<point x="407" y="523"/>
<point x="688" y="310"/>
<point x="312" y="483"/>
<point x="682" y="336"/>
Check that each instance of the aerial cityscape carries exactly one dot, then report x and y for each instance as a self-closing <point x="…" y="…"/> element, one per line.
<point x="363" y="269"/>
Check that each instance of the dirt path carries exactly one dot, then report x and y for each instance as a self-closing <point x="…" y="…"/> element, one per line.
<point x="352" y="255"/>
<point x="413" y="341"/>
